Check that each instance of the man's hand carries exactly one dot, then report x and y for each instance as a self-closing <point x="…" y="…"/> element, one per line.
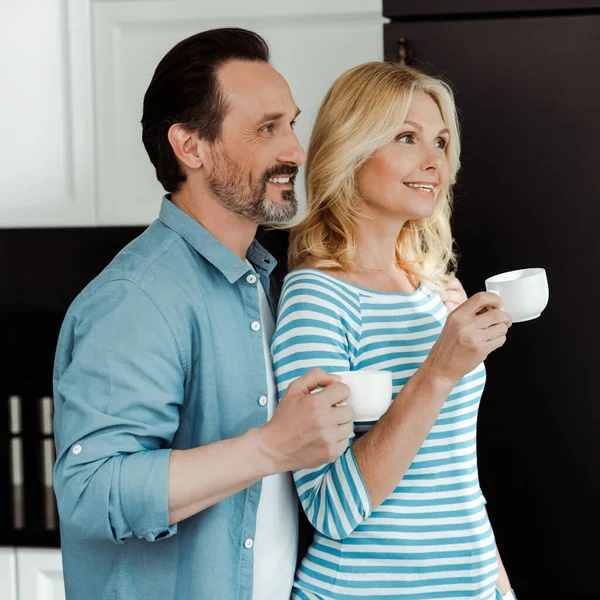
<point x="309" y="428"/>
<point x="454" y="294"/>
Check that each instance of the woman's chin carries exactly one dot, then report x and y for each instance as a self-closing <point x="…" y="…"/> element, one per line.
<point x="425" y="209"/>
<point x="402" y="214"/>
<point x="422" y="212"/>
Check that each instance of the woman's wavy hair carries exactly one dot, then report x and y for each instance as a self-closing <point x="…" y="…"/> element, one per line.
<point x="363" y="111"/>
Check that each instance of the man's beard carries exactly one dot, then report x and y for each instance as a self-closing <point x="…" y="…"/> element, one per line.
<point x="236" y="192"/>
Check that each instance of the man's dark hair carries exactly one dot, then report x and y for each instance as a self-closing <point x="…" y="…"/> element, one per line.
<point x="185" y="89"/>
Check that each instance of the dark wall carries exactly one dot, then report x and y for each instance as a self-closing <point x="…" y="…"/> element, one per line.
<point x="528" y="89"/>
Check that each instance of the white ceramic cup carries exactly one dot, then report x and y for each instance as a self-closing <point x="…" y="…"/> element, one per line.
<point x="370" y="392"/>
<point x="524" y="292"/>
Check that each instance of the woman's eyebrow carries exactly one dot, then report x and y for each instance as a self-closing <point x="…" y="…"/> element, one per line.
<point x="419" y="127"/>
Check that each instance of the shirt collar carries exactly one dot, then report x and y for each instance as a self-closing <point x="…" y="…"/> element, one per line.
<point x="210" y="247"/>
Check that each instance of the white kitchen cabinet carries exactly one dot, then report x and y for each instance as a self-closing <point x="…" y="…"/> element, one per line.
<point x="31" y="574"/>
<point x="46" y="116"/>
<point x="39" y="574"/>
<point x="8" y="574"/>
<point x="71" y="150"/>
<point x="312" y="42"/>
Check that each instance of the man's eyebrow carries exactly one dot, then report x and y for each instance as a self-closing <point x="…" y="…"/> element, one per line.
<point x="419" y="127"/>
<point x="276" y="116"/>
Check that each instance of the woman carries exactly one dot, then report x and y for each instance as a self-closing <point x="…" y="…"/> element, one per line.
<point x="400" y="514"/>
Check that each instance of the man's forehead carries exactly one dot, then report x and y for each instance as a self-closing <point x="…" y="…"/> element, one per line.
<point x="254" y="88"/>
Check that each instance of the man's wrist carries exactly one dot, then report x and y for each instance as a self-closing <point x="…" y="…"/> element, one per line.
<point x="269" y="459"/>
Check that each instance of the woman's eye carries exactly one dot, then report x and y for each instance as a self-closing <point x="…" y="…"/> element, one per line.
<point x="405" y="138"/>
<point x="442" y="143"/>
<point x="293" y="124"/>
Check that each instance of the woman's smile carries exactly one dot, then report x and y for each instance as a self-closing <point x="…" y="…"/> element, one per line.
<point x="425" y="188"/>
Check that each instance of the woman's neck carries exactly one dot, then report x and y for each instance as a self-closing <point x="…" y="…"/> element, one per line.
<point x="375" y="265"/>
<point x="376" y="245"/>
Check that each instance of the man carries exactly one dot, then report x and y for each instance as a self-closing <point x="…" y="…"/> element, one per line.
<point x="172" y="471"/>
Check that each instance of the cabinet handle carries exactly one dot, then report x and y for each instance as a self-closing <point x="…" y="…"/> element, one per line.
<point x="18" y="495"/>
<point x="14" y="409"/>
<point x="46" y="414"/>
<point x="49" y="500"/>
<point x="404" y="51"/>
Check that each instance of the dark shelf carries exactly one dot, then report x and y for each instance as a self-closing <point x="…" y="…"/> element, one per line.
<point x="410" y="9"/>
<point x="42" y="271"/>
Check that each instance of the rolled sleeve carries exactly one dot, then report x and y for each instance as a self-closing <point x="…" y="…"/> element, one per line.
<point x="118" y="389"/>
<point x="144" y="486"/>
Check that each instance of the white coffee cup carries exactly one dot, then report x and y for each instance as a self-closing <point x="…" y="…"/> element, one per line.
<point x="524" y="292"/>
<point x="370" y="392"/>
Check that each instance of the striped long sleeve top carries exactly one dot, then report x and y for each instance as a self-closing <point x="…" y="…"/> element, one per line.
<point x="431" y="537"/>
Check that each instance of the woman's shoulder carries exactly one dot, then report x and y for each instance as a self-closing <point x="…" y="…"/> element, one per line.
<point x="322" y="286"/>
<point x="312" y="263"/>
<point x="312" y="273"/>
<point x="316" y="266"/>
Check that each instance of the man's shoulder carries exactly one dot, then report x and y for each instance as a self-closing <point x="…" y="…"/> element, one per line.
<point x="153" y="262"/>
<point x="158" y="247"/>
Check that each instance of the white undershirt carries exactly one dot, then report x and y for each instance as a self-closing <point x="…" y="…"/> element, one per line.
<point x="276" y="538"/>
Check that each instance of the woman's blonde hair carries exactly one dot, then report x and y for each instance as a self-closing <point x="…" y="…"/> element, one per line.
<point x="364" y="110"/>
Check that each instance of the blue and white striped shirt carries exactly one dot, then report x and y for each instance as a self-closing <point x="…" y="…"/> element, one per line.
<point x="431" y="537"/>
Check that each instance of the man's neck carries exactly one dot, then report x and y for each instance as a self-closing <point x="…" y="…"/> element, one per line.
<point x="230" y="229"/>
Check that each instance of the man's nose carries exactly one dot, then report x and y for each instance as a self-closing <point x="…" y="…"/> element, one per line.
<point x="292" y="153"/>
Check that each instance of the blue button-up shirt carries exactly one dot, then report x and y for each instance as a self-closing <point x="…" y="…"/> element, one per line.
<point x="158" y="352"/>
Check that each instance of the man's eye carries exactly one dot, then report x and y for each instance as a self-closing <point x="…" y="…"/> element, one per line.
<point x="293" y="124"/>
<point x="268" y="128"/>
<point x="405" y="138"/>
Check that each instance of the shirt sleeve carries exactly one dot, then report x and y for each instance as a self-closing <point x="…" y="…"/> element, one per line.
<point x="318" y="326"/>
<point x="118" y="387"/>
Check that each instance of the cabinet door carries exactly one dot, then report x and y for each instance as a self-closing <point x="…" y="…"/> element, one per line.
<point x="8" y="574"/>
<point x="40" y="575"/>
<point x="46" y="148"/>
<point x="311" y="42"/>
<point x="528" y="91"/>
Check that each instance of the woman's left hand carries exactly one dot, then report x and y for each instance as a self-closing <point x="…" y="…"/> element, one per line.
<point x="454" y="294"/>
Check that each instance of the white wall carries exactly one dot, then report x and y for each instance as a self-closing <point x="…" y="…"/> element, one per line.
<point x="77" y="70"/>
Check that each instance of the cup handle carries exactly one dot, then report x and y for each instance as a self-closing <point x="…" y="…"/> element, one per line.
<point x="486" y="308"/>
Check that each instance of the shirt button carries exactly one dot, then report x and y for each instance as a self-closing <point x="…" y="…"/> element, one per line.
<point x="251" y="278"/>
<point x="262" y="400"/>
<point x="249" y="543"/>
<point x="255" y="325"/>
<point x="77" y="449"/>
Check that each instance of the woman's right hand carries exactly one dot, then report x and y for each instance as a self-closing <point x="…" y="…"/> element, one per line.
<point x="472" y="331"/>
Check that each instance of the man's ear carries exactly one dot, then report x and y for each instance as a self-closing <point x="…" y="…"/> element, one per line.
<point x="189" y="149"/>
